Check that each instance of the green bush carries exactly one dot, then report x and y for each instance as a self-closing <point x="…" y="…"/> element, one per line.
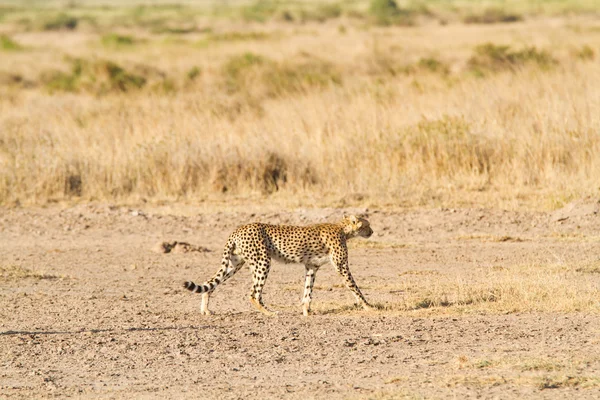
<point x="237" y="36"/>
<point x="7" y="44"/>
<point x="292" y="78"/>
<point x="60" y="22"/>
<point x="253" y="73"/>
<point x="116" y="40"/>
<point x="434" y="65"/>
<point x="492" y="16"/>
<point x="119" y="79"/>
<point x="387" y="12"/>
<point x="260" y="11"/>
<point x="193" y="73"/>
<point x="585" y="53"/>
<point x="97" y="77"/>
<point x="321" y="13"/>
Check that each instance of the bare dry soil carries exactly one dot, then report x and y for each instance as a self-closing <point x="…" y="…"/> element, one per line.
<point x="89" y="310"/>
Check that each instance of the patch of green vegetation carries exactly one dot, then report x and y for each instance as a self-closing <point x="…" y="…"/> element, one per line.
<point x="247" y="69"/>
<point x="98" y="77"/>
<point x="60" y="21"/>
<point x="119" y="79"/>
<point x="387" y="12"/>
<point x="321" y="13"/>
<point x="165" y="18"/>
<point x="494" y="58"/>
<point x="492" y="16"/>
<point x="6" y="10"/>
<point x="8" y="44"/>
<point x="291" y="78"/>
<point x="238" y="67"/>
<point x="115" y="40"/>
<point x="193" y="73"/>
<point x="260" y="11"/>
<point x="433" y="65"/>
<point x="61" y="81"/>
<point x="237" y="36"/>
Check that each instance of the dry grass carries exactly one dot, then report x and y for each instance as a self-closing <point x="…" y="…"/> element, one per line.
<point x="520" y="288"/>
<point x="16" y="272"/>
<point x="541" y="373"/>
<point x="490" y="238"/>
<point x="539" y="382"/>
<point x="427" y="115"/>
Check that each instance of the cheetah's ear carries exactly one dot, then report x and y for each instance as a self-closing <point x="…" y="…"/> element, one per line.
<point x="352" y="218"/>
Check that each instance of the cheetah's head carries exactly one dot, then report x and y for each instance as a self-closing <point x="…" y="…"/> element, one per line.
<point x="356" y="226"/>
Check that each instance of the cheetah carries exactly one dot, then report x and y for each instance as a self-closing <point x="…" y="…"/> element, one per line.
<point x="313" y="246"/>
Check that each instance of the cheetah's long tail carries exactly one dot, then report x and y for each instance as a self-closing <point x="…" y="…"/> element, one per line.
<point x="213" y="282"/>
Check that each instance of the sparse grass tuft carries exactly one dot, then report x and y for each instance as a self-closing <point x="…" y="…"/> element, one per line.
<point x="525" y="288"/>
<point x="490" y="238"/>
<point x="16" y="272"/>
<point x="589" y="268"/>
<point x="556" y="382"/>
<point x="492" y="16"/>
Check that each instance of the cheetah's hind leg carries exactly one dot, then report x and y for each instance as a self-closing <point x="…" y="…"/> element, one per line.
<point x="260" y="271"/>
<point x="261" y="307"/>
<point x="204" y="304"/>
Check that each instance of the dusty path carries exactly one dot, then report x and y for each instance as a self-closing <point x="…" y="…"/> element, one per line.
<point x="88" y="310"/>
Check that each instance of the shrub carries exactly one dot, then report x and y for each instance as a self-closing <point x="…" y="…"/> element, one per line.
<point x="387" y="12"/>
<point x="491" y="57"/>
<point x="237" y="36"/>
<point x="193" y="73"/>
<point x="267" y="174"/>
<point x="252" y="72"/>
<point x="585" y="53"/>
<point x="98" y="77"/>
<point x="7" y="44"/>
<point x="260" y="11"/>
<point x="119" y="79"/>
<point x="433" y="65"/>
<point x="321" y="13"/>
<point x="236" y="70"/>
<point x="116" y="40"/>
<point x="292" y="78"/>
<point x="60" y="22"/>
<point x="492" y="16"/>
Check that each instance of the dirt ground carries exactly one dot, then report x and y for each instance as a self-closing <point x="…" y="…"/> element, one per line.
<point x="89" y="310"/>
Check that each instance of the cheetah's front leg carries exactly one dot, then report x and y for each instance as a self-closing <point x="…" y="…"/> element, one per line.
<point x="342" y="269"/>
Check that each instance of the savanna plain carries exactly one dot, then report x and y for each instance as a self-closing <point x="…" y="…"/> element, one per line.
<point x="467" y="133"/>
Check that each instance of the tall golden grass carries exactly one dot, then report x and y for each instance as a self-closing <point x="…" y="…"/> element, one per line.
<point x="503" y="114"/>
